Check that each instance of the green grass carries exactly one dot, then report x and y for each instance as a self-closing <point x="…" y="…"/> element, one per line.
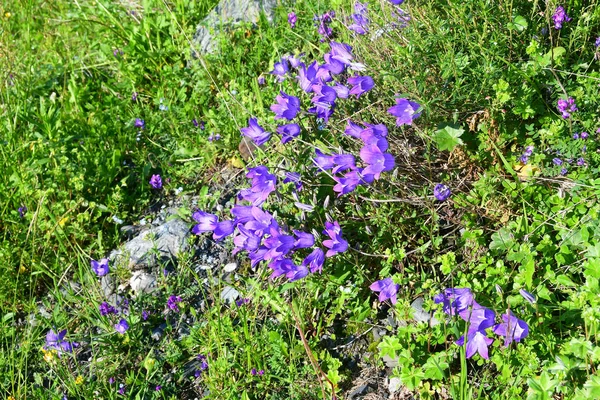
<point x="70" y="153"/>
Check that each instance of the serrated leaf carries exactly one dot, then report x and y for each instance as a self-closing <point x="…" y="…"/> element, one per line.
<point x="448" y="137"/>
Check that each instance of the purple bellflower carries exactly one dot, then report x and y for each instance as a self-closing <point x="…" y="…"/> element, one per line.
<point x="477" y="342"/>
<point x="315" y="260"/>
<point x="387" y="289"/>
<point x="361" y="84"/>
<point x="287" y="106"/>
<point x="139" y="123"/>
<point x="280" y="69"/>
<point x="513" y="329"/>
<point x="100" y="267"/>
<point x="377" y="161"/>
<point x="336" y="244"/>
<point x="256" y="132"/>
<point x="307" y="76"/>
<point x="405" y="111"/>
<point x="122" y="326"/>
<point x="172" y="302"/>
<point x="263" y="183"/>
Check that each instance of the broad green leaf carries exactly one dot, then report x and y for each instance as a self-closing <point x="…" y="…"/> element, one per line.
<point x="502" y="240"/>
<point x="448" y="137"/>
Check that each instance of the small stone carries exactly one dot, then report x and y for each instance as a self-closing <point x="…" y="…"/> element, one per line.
<point x="394" y="385"/>
<point x="420" y="315"/>
<point x="229" y="294"/>
<point x="389" y="361"/>
<point x="142" y="282"/>
<point x="230" y="267"/>
<point x="158" y="331"/>
<point x="362" y="390"/>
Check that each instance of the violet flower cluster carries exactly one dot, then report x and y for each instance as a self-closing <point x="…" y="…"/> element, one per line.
<point x="322" y="22"/>
<point x="566" y="107"/>
<point x="257" y="232"/>
<point x="526" y="154"/>
<point x="360" y="22"/>
<point x="461" y="302"/>
<point x="559" y="17"/>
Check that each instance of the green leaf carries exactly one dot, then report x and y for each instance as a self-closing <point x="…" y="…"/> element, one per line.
<point x="519" y="23"/>
<point x="389" y="346"/>
<point x="434" y="367"/>
<point x="503" y="240"/>
<point x="448" y="137"/>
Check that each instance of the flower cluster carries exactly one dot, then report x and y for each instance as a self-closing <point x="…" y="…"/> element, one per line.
<point x="461" y="302"/>
<point x="360" y="22"/>
<point x="257" y="232"/>
<point x="156" y="182"/>
<point x="322" y="22"/>
<point x="559" y="17"/>
<point x="526" y="154"/>
<point x="566" y="107"/>
<point x="441" y="192"/>
<point x="292" y="19"/>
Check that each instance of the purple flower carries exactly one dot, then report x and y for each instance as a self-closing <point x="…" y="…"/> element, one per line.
<point x="527" y="296"/>
<point x="513" y="329"/>
<point x="557" y="161"/>
<point x="223" y="229"/>
<point x="156" y="182"/>
<point x="293" y="177"/>
<point x="305" y="240"/>
<point x="584" y="135"/>
<point x="242" y="301"/>
<point x="106" y="309"/>
<point x="580" y="161"/>
<point x="528" y="151"/>
<point x="280" y="69"/>
<point x="256" y="132"/>
<point x="100" y="268"/>
<point x="307" y="76"/>
<point x="263" y="183"/>
<point x="564" y="171"/>
<point x="387" y="289"/>
<point x="597" y="43"/>
<point x="292" y="19"/>
<point x="322" y="161"/>
<point x="397" y="2"/>
<point x="342" y="91"/>
<point x="172" y="302"/>
<point x="261" y="80"/>
<point x="158" y="388"/>
<point x="111" y="380"/>
<point x="560" y="16"/>
<point x="139" y="123"/>
<point x="353" y="129"/>
<point x="377" y="161"/>
<point x="121" y="389"/>
<point x="455" y="300"/>
<point x="336" y="244"/>
<point x="479" y="317"/>
<point x="22" y="210"/>
<point x="441" y="192"/>
<point x="254" y="372"/>
<point x="360" y="24"/>
<point x="55" y="341"/>
<point x="361" y="84"/>
<point x="566" y="107"/>
<point x="477" y="342"/>
<point x="348" y="183"/>
<point x="343" y="162"/>
<point x="122" y="326"/>
<point x="315" y="260"/>
<point x="134" y="96"/>
<point x="145" y="315"/>
<point x="206" y="222"/>
<point x="287" y="106"/>
<point x="405" y="111"/>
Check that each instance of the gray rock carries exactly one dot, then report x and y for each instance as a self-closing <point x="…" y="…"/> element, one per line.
<point x="420" y="315"/>
<point x="360" y="391"/>
<point x="229" y="294"/>
<point x="142" y="282"/>
<point x="394" y="385"/>
<point x="230" y="267"/>
<point x="158" y="331"/>
<point x="227" y="14"/>
<point x="158" y="244"/>
<point x="390" y="362"/>
<point x="107" y="282"/>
